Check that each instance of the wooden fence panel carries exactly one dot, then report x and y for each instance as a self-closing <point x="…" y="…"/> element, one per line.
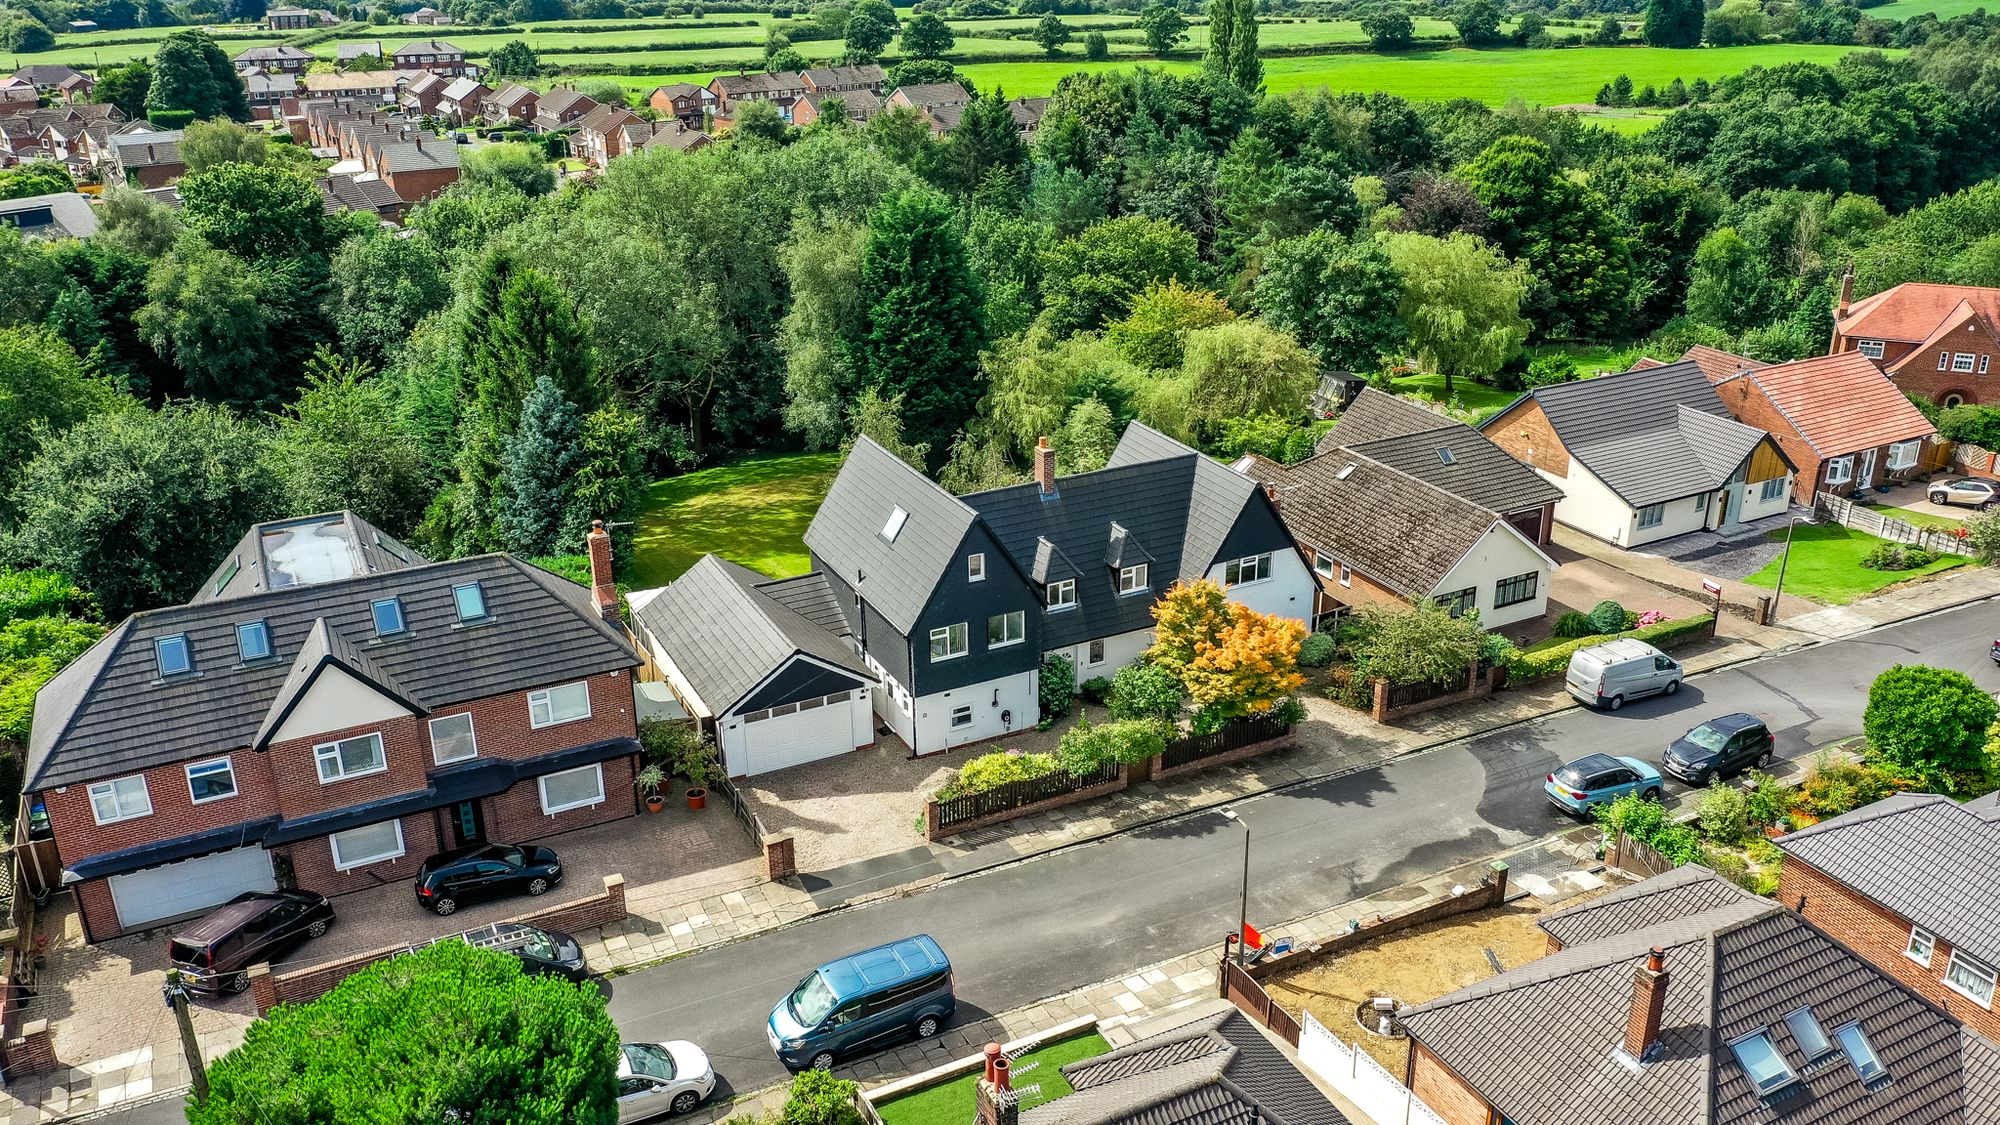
<point x="1849" y="514"/>
<point x="1016" y="794"/>
<point x="1235" y="736"/>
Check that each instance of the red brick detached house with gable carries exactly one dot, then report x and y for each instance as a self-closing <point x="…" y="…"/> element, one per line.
<point x="1837" y="417"/>
<point x="1941" y="342"/>
<point x="330" y="709"/>
<point x="1912" y="883"/>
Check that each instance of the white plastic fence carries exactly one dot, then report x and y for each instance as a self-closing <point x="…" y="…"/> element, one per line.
<point x="1359" y="1078"/>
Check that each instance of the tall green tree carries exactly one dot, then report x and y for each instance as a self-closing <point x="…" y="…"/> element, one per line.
<point x="1477" y="22"/>
<point x="524" y="167"/>
<point x="822" y="267"/>
<point x="1668" y="211"/>
<point x="1245" y="368"/>
<point x="1051" y="34"/>
<point x="544" y="455"/>
<point x="205" y="144"/>
<point x="985" y="143"/>
<point x="1337" y="296"/>
<point x="1929" y="724"/>
<point x="342" y="444"/>
<point x="1090" y="280"/>
<point x="1674" y="23"/>
<point x="924" y="327"/>
<point x="1728" y="286"/>
<point x="1564" y="231"/>
<point x="871" y="25"/>
<point x="448" y="1033"/>
<point x="256" y="212"/>
<point x="1164" y="27"/>
<point x="1220" y="58"/>
<point x="1246" y="70"/>
<point x="194" y="80"/>
<point x="927" y="36"/>
<point x="1388" y="27"/>
<point x="44" y="389"/>
<point x="1461" y="303"/>
<point x="515" y="59"/>
<point x="383" y="287"/>
<point x="214" y="318"/>
<point x="125" y="86"/>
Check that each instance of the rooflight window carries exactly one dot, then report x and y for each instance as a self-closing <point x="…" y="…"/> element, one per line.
<point x="173" y="655"/>
<point x="1860" y="1052"/>
<point x="1807" y="1031"/>
<point x="894" y="527"/>
<point x="1445" y="455"/>
<point x="1344" y="471"/>
<point x="253" y="641"/>
<point x="470" y="600"/>
<point x="388" y="613"/>
<point x="1766" y="1068"/>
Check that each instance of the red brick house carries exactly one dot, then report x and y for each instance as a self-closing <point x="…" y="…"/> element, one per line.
<point x="512" y="103"/>
<point x="1840" y="421"/>
<point x="600" y="134"/>
<point x="1937" y="341"/>
<point x="687" y="102"/>
<point x="423" y="94"/>
<point x="1910" y="884"/>
<point x="461" y="99"/>
<point x="273" y="60"/>
<point x="434" y="55"/>
<point x="329" y="709"/>
<point x="559" y="108"/>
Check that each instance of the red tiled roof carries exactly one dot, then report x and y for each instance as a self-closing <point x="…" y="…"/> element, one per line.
<point x="1959" y="314"/>
<point x="1718" y="364"/>
<point x="1911" y="311"/>
<point x="1841" y="403"/>
<point x="1645" y="363"/>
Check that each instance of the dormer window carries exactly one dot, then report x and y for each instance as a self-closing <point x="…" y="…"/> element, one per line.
<point x="1062" y="595"/>
<point x="253" y="641"/>
<point x="388" y="614"/>
<point x="1132" y="579"/>
<point x="173" y="656"/>
<point x="470" y="600"/>
<point x="894" y="525"/>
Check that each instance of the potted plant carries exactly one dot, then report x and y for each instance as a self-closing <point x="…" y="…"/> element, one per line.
<point x="648" y="781"/>
<point x="693" y="761"/>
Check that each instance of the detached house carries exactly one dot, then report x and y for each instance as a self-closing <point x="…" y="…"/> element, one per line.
<point x="732" y="91"/>
<point x="1682" y="999"/>
<point x="434" y="55"/>
<point x="512" y="102"/>
<point x="461" y="100"/>
<point x="333" y="705"/>
<point x="687" y="102"/>
<point x="1645" y="454"/>
<point x="273" y="60"/>
<point x="1843" y="425"/>
<point x="600" y="134"/>
<point x="560" y="108"/>
<point x="1936" y="341"/>
<point x="57" y="80"/>
<point x="1909" y="883"/>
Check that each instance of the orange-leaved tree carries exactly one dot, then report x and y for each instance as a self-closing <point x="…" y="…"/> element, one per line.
<point x="1187" y="616"/>
<point x="1233" y="660"/>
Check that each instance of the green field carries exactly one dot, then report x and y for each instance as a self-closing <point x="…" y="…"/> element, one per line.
<point x="752" y="512"/>
<point x="951" y="1103"/>
<point x="1942" y="9"/>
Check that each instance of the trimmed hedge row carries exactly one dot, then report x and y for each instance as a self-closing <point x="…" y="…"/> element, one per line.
<point x="1523" y="666"/>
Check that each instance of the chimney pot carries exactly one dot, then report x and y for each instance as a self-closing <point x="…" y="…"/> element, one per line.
<point x="994" y="1106"/>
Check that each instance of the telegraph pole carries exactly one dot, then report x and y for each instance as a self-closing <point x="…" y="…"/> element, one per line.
<point x="177" y="999"/>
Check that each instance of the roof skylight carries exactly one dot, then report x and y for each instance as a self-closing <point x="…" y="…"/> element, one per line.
<point x="893" y="528"/>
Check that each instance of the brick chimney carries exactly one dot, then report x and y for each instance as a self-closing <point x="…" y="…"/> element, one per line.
<point x="1846" y="290"/>
<point x="1045" y="467"/>
<point x="1649" y="1001"/>
<point x="603" y="590"/>
<point x="1271" y="492"/>
<point x="995" y="1102"/>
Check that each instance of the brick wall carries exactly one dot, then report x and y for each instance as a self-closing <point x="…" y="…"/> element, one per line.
<point x="1753" y="408"/>
<point x="1880" y="936"/>
<point x="425" y="184"/>
<point x="517" y="814"/>
<point x="313" y="869"/>
<point x="1917" y="374"/>
<point x="1448" y="1095"/>
<point x="78" y="835"/>
<point x="1524" y="432"/>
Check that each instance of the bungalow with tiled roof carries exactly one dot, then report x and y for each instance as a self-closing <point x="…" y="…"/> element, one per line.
<point x="51" y="78"/>
<point x="273" y="60"/>
<point x="1842" y="423"/>
<point x="1936" y="341"/>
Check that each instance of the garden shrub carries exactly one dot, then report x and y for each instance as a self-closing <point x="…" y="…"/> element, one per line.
<point x="1495" y="650"/>
<point x="1631" y="621"/>
<point x="1085" y="748"/>
<point x="1730" y="866"/>
<point x="1724" y="813"/>
<point x="1316" y="651"/>
<point x="1607" y="616"/>
<point x="1414" y="643"/>
<point x="1769" y="799"/>
<point x="1290" y="711"/>
<point x="1896" y="556"/>
<point x="1555" y="659"/>
<point x="1350" y="688"/>
<point x="1762" y="851"/>
<point x="1145" y="691"/>
<point x="1835" y="785"/>
<point x="1646" y="821"/>
<point x="990" y="771"/>
<point x="1096" y="689"/>
<point x="1574" y="624"/>
<point x="1929" y="724"/>
<point x="1058" y="686"/>
<point x="818" y="1098"/>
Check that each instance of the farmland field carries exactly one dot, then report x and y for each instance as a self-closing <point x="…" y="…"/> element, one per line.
<point x="1942" y="9"/>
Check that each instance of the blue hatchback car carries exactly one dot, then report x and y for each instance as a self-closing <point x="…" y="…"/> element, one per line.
<point x="1599" y="779"/>
<point x="854" y="1005"/>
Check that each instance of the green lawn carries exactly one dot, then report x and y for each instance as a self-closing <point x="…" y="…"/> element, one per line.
<point x="752" y="512"/>
<point x="1942" y="9"/>
<point x="1826" y="565"/>
<point x="1476" y="397"/>
<point x="1918" y="519"/>
<point x="952" y="1102"/>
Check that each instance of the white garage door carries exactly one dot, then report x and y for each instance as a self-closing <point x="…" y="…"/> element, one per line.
<point x="806" y="734"/>
<point x="190" y="886"/>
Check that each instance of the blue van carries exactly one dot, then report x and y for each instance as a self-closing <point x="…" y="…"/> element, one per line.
<point x="847" y="1007"/>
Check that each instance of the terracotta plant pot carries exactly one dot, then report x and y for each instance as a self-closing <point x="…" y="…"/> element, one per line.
<point x="655" y="803"/>
<point x="697" y="799"/>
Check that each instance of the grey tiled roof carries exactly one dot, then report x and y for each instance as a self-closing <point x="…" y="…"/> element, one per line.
<point x="345" y="52"/>
<point x="1923" y="856"/>
<point x="1651" y="435"/>
<point x="1215" y="500"/>
<point x="344" y="192"/>
<point x="541" y="630"/>
<point x="463" y="88"/>
<point x="825" y="76"/>
<point x="1405" y="436"/>
<point x="1215" y="1069"/>
<point x="69" y="215"/>
<point x="726" y="634"/>
<point x="1686" y="890"/>
<point x="262" y="559"/>
<point x="324" y="647"/>
<point x="896" y="577"/>
<point x="809" y="596"/>
<point x="511" y="95"/>
<point x="414" y="155"/>
<point x="428" y="47"/>
<point x="1538" y="1041"/>
<point x="270" y="54"/>
<point x="559" y="100"/>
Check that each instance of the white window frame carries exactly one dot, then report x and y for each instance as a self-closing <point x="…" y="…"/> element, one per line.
<point x="542" y="711"/>
<point x="110" y="789"/>
<point x="187" y="655"/>
<point x="1771" y="490"/>
<point x="959" y="632"/>
<point x="1840" y="470"/>
<point x="1790" y="1076"/>
<point x="1258" y="564"/>
<point x="208" y="768"/>
<point x="961" y="716"/>
<point x="1920" y="937"/>
<point x="975" y="567"/>
<point x="1985" y="361"/>
<point x="542" y="789"/>
<point x="1870" y="348"/>
<point x="1961" y="362"/>
<point x="1652" y="515"/>
<point x="1974" y="967"/>
<point x="1323" y="565"/>
<point x="1346" y="575"/>
<point x="327" y="752"/>
<point x="471" y="733"/>
<point x="1898" y="451"/>
<point x="1013" y="621"/>
<point x="1062" y="594"/>
<point x="341" y="864"/>
<point x="1944" y="361"/>
<point x="1132" y="579"/>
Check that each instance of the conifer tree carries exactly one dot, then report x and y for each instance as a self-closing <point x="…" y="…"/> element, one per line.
<point x="1245" y="68"/>
<point x="1221" y="55"/>
<point x="543" y="458"/>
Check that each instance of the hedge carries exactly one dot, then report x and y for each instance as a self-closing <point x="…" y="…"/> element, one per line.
<point x="1523" y="666"/>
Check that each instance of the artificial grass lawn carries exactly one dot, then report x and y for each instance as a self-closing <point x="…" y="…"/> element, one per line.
<point x="1476" y="397"/>
<point x="752" y="512"/>
<point x="1826" y="565"/>
<point x="952" y="1102"/>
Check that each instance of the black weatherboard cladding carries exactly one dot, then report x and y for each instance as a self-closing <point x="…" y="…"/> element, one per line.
<point x="955" y="598"/>
<point x="801" y="679"/>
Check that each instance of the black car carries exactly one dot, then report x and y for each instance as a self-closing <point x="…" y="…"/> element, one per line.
<point x="250" y="929"/>
<point x="1726" y="745"/>
<point x="543" y="953"/>
<point x="485" y="871"/>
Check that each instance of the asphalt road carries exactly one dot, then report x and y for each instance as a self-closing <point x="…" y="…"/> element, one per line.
<point x="1020" y="933"/>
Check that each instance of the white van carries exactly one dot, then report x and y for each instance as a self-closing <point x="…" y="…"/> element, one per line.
<point x="1607" y="675"/>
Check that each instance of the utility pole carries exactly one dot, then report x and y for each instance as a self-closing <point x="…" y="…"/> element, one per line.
<point x="177" y="999"/>
<point x="1784" y="560"/>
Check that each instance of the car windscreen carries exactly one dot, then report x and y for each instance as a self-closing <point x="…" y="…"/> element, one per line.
<point x="511" y="856"/>
<point x="538" y="944"/>
<point x="188" y="953"/>
<point x="1707" y="737"/>
<point x="811" y="1001"/>
<point x="649" y="1059"/>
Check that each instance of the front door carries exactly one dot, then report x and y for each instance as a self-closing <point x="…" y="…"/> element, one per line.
<point x="468" y="823"/>
<point x="1867" y="474"/>
<point x="1732" y="503"/>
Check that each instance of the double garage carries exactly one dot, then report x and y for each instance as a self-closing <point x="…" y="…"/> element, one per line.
<point x="191" y="886"/>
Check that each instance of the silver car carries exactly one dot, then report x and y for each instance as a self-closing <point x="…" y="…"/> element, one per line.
<point x="655" y="1079"/>
<point x="1969" y="492"/>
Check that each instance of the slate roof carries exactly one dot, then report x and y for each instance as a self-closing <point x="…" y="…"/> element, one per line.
<point x="47" y="75"/>
<point x="460" y="89"/>
<point x="281" y="53"/>
<point x="1214" y="502"/>
<point x="1685" y="891"/>
<point x="347" y="52"/>
<point x="1538" y="1041"/>
<point x="677" y="90"/>
<point x="61" y="215"/>
<point x="147" y="150"/>
<point x="415" y="155"/>
<point x="1403" y="435"/>
<point x="728" y="631"/>
<point x="1217" y="1068"/>
<point x="426" y="82"/>
<point x="605" y="118"/>
<point x="512" y="94"/>
<point x="846" y="532"/>
<point x="663" y="134"/>
<point x="1651" y="435"/>
<point x="861" y="104"/>
<point x="1839" y="404"/>
<point x="278" y="85"/>
<point x="1912" y="311"/>
<point x="825" y="76"/>
<point x="1923" y="856"/>
<point x="344" y="192"/>
<point x="541" y="629"/>
<point x="428" y="47"/>
<point x="932" y="95"/>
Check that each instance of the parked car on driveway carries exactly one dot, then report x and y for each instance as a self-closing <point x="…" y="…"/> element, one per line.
<point x="1969" y="492"/>
<point x="449" y="879"/>
<point x="1720" y="747"/>
<point x="1613" y="673"/>
<point x="1599" y="779"/>
<point x="215" y="953"/>
<point x="660" y="1078"/>
<point x="847" y="1007"/>
<point x="543" y="953"/>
